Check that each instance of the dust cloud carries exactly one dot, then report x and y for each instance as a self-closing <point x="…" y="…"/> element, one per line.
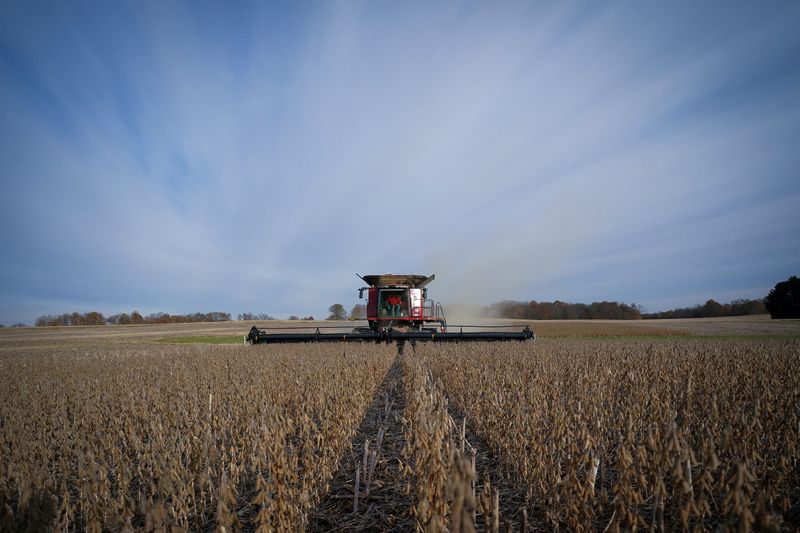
<point x="507" y="262"/>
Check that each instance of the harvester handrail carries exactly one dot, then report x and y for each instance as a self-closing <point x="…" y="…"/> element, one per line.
<point x="487" y="326"/>
<point x="350" y="325"/>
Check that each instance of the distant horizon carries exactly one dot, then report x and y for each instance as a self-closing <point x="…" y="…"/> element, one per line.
<point x="348" y="308"/>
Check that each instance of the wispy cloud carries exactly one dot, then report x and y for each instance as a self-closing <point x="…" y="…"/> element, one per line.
<point x="193" y="156"/>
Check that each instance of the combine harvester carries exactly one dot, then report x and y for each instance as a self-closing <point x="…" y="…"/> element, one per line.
<point x="398" y="310"/>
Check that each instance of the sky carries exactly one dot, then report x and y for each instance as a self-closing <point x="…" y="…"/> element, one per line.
<point x="252" y="157"/>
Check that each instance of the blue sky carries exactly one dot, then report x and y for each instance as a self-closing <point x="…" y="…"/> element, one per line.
<point x="181" y="157"/>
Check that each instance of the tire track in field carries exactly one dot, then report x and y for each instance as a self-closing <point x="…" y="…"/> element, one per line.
<point x="517" y="512"/>
<point x="381" y="504"/>
<point x="493" y="479"/>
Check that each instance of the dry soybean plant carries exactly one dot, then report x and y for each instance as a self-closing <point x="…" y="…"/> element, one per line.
<point x="622" y="435"/>
<point x="439" y="466"/>
<point x="184" y="438"/>
<point x="608" y="435"/>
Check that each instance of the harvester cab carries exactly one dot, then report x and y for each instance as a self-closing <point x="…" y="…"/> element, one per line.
<point x="398" y="310"/>
<point x="401" y="302"/>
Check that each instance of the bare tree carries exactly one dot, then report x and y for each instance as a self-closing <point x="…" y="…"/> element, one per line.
<point x="359" y="312"/>
<point x="337" y="312"/>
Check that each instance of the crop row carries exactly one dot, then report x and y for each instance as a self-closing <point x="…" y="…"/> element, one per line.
<point x="626" y="435"/>
<point x="584" y="434"/>
<point x="179" y="437"/>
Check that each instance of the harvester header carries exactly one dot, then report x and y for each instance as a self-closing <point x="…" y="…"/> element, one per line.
<point x="398" y="310"/>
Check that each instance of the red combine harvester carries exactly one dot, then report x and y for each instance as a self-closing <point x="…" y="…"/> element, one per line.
<point x="398" y="310"/>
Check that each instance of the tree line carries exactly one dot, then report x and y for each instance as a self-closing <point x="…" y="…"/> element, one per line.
<point x="93" y="318"/>
<point x="559" y="310"/>
<point x="713" y="308"/>
<point x="254" y="316"/>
